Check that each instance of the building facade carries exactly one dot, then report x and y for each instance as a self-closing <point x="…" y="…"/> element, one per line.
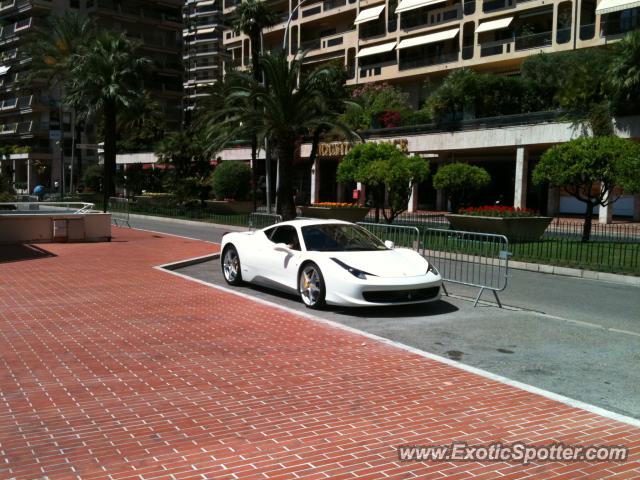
<point x="202" y="34"/>
<point x="36" y="132"/>
<point x="405" y="42"/>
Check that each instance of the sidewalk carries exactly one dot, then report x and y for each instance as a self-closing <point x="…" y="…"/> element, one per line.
<point x="113" y="369"/>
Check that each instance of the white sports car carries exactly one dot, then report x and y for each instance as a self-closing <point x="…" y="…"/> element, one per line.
<point x="329" y="261"/>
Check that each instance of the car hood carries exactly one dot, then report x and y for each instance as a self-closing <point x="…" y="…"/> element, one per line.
<point x="385" y="263"/>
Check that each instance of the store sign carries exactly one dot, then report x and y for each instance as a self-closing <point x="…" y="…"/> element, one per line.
<point x="340" y="149"/>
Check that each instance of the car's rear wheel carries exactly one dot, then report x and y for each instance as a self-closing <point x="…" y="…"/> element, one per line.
<point x="311" y="285"/>
<point x="231" y="266"/>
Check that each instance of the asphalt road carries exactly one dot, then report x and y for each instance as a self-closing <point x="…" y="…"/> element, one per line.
<point x="572" y="336"/>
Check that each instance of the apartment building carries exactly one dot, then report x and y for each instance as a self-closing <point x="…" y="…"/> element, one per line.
<point x="34" y="126"/>
<point x="201" y="55"/>
<point x="404" y="42"/>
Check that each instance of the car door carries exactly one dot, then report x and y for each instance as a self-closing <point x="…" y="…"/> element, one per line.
<point x="282" y="259"/>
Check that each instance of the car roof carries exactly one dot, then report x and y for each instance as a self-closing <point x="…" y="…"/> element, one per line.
<point x="304" y="222"/>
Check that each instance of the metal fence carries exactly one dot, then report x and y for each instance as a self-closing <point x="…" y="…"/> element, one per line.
<point x="474" y="259"/>
<point x="120" y="212"/>
<point x="401" y="235"/>
<point x="262" y="220"/>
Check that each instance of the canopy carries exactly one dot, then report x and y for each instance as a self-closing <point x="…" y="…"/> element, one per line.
<point x="385" y="47"/>
<point x="369" y="14"/>
<point x="609" y="6"/>
<point x="494" y="25"/>
<point x="406" y="5"/>
<point x="431" y="38"/>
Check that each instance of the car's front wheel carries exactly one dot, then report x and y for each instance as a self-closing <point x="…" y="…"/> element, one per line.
<point x="311" y="286"/>
<point x="231" y="266"/>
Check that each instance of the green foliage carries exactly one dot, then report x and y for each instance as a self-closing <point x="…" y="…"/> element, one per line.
<point x="590" y="168"/>
<point x="190" y="170"/>
<point x="460" y="181"/>
<point x="374" y="99"/>
<point x="285" y="110"/>
<point x="231" y="180"/>
<point x="92" y="178"/>
<point x="465" y="92"/>
<point x="381" y="166"/>
<point x="577" y="81"/>
<point x="624" y="73"/>
<point x="5" y="186"/>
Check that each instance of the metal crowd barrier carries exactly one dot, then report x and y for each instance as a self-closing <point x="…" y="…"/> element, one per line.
<point x="401" y="235"/>
<point x="261" y="220"/>
<point x="119" y="210"/>
<point x="469" y="258"/>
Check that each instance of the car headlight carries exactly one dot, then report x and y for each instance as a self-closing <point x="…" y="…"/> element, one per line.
<point x="353" y="271"/>
<point x="431" y="268"/>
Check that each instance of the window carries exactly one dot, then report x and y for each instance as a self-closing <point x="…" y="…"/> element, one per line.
<point x="285" y="234"/>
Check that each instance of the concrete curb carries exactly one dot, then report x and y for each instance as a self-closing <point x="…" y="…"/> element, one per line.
<point x="576" y="272"/>
<point x="195" y="223"/>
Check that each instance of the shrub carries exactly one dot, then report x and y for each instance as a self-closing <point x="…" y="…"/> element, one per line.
<point x="460" y="181"/>
<point x="231" y="180"/>
<point x="92" y="178"/>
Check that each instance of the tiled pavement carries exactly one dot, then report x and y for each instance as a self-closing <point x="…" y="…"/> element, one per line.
<point x="111" y="369"/>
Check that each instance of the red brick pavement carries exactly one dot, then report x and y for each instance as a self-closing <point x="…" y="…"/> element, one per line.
<point x="111" y="369"/>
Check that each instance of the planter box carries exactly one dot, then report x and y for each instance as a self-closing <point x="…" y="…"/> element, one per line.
<point x="514" y="228"/>
<point x="354" y="214"/>
<point x="226" y="207"/>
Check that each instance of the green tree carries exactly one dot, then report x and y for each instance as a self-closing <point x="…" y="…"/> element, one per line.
<point x="51" y="50"/>
<point x="589" y="169"/>
<point x="624" y="73"/>
<point x="370" y="101"/>
<point x="186" y="154"/>
<point x="578" y="82"/>
<point x="286" y="109"/>
<point x="252" y="16"/>
<point x="384" y="169"/>
<point x="460" y="181"/>
<point x="231" y="180"/>
<point x="106" y="77"/>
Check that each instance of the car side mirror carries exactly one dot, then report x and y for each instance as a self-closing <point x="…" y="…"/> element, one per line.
<point x="389" y="244"/>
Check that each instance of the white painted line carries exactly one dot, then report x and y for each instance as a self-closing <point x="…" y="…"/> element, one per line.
<point x="483" y="373"/>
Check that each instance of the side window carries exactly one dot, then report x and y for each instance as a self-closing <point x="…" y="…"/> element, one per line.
<point x="287" y="235"/>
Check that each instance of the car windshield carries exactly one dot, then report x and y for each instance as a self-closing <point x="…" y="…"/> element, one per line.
<point x="339" y="237"/>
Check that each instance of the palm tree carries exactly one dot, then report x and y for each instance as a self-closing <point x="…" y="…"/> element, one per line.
<point x="284" y="110"/>
<point x="251" y="17"/>
<point x="624" y="71"/>
<point x="105" y="77"/>
<point x="51" y="49"/>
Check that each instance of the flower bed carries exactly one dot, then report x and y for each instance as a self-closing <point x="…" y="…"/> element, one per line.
<point x="349" y="212"/>
<point x="514" y="223"/>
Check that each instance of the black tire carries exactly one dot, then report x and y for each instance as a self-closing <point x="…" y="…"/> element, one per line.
<point x="230" y="264"/>
<point x="311" y="286"/>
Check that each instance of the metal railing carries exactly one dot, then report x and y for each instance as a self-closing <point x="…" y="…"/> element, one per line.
<point x="468" y="258"/>
<point x="120" y="212"/>
<point x="261" y="220"/>
<point x="73" y="208"/>
<point x="400" y="235"/>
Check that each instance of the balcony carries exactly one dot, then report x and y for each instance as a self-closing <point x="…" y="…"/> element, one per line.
<point x="376" y="69"/>
<point x="23" y="128"/>
<point x="498" y="47"/>
<point x="426" y="18"/>
<point x="495" y="5"/>
<point x="615" y="28"/>
<point x="429" y="60"/>
<point x="10" y="31"/>
<point x="469" y="7"/>
<point x="537" y="40"/>
<point x="142" y="13"/>
<point x="329" y="43"/>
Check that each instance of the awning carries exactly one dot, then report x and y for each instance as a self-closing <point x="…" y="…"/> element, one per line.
<point x="4" y="69"/>
<point x="431" y="38"/>
<point x="609" y="6"/>
<point x="369" y="14"/>
<point x="385" y="47"/>
<point x="494" y="25"/>
<point x="406" y="5"/>
<point x="206" y="30"/>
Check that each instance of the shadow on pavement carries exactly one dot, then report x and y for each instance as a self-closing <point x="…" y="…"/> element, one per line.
<point x="20" y="253"/>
